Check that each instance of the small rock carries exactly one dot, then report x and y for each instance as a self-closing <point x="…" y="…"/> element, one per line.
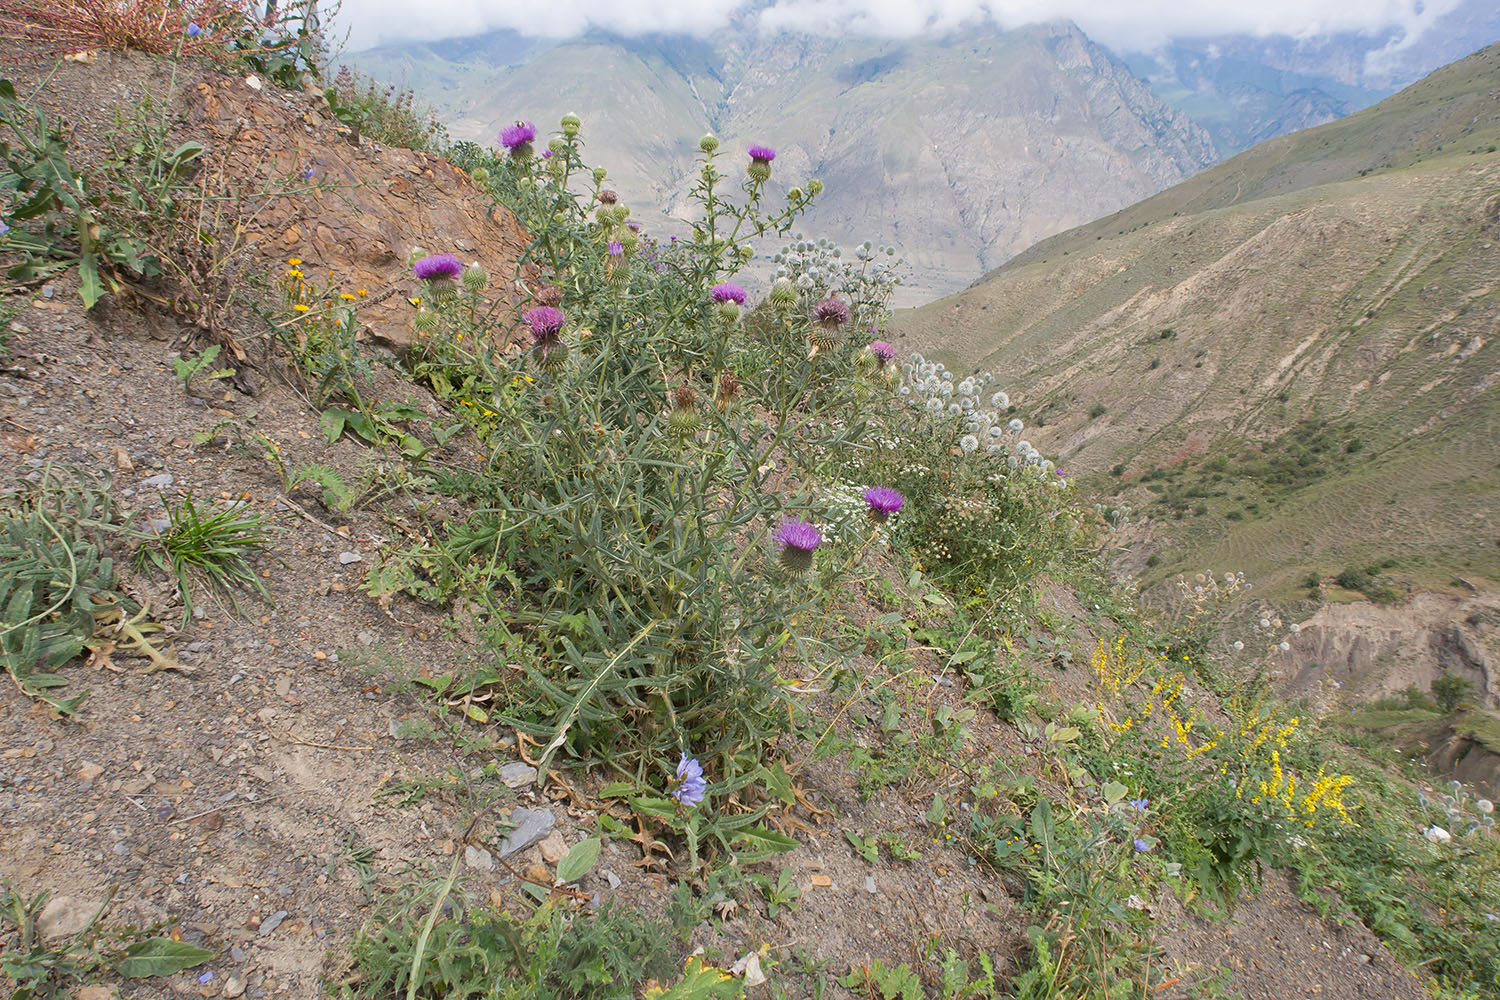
<point x="870" y="884"/>
<point x="234" y="986"/>
<point x="531" y="826"/>
<point x="367" y="638"/>
<point x="350" y="557"/>
<point x="478" y="858"/>
<point x="272" y="922"/>
<point x="160" y="481"/>
<point x="237" y="954"/>
<point x="539" y="873"/>
<point x="610" y="877"/>
<point x="553" y="847"/>
<point x="1362" y="959"/>
<point x="65" y="916"/>
<point x="515" y="774"/>
<point x="89" y="771"/>
<point x="1438" y="835"/>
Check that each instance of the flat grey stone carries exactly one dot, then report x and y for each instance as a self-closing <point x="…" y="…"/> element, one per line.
<point x="515" y="774"/>
<point x="160" y="481"/>
<point x="272" y="922"/>
<point x="531" y="826"/>
<point x="610" y="877"/>
<point x="478" y="858"/>
<point x="350" y="557"/>
<point x="870" y="884"/>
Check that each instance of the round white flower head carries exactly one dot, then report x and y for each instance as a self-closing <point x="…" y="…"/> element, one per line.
<point x="995" y="449"/>
<point x="997" y="432"/>
<point x="1016" y="425"/>
<point x="1023" y="446"/>
<point x="1000" y="401"/>
<point x="969" y="443"/>
<point x="1284" y="646"/>
<point x="905" y="390"/>
<point x="1238" y="645"/>
<point x="1485" y="806"/>
<point x="947" y="376"/>
<point x="935" y="405"/>
<point x="1295" y="628"/>
<point x="954" y="409"/>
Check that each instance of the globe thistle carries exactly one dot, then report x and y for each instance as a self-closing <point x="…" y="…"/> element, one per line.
<point x="882" y="502"/>
<point x="955" y="410"/>
<point x="760" y="163"/>
<point x="518" y="139"/>
<point x="571" y="123"/>
<point x="691" y="788"/>
<point x="935" y="405"/>
<point x="1000" y="401"/>
<point x="969" y="443"/>
<point x="829" y="319"/>
<point x="1016" y="426"/>
<point x="798" y="540"/>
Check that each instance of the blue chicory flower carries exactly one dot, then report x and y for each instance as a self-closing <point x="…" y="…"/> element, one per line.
<point x="692" y="788"/>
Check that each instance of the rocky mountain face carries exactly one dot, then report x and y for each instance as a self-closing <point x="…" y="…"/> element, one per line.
<point x="960" y="150"/>
<point x="1246" y="89"/>
<point x="1288" y="361"/>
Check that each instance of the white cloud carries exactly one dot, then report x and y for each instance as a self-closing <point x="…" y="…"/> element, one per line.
<point x="1121" y="23"/>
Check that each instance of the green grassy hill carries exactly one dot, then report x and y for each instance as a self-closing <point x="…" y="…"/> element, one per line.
<point x="1289" y="360"/>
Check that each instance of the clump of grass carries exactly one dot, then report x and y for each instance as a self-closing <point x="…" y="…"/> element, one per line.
<point x="212" y="546"/>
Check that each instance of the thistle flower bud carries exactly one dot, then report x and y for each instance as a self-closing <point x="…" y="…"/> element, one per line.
<point x="814" y="187"/>
<point x="480" y="175"/>
<point x="608" y="198"/>
<point x="621" y="212"/>
<point x="794" y="194"/>
<point x="728" y="391"/>
<point x="426" y="321"/>
<point x="571" y="123"/>
<point x="548" y="295"/>
<point x="708" y="143"/>
<point x="783" y="293"/>
<point x="599" y="174"/>
<point x="556" y="145"/>
<point x="475" y="279"/>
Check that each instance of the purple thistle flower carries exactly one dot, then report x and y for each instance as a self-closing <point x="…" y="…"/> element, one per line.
<point x="764" y="154"/>
<point x="633" y="226"/>
<point x="546" y="154"/>
<point x="728" y="293"/>
<point x="831" y="314"/>
<point x="517" y="135"/>
<point x="798" y="541"/>
<point x="760" y="163"/>
<point x="545" y="323"/>
<point x="883" y="501"/>
<point x="883" y="351"/>
<point x="438" y="267"/>
<point x="616" y="248"/>
<point x="193" y="30"/>
<point x="693" y="789"/>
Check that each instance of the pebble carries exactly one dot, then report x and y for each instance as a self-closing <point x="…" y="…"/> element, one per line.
<point x="234" y="986"/>
<point x="531" y="826"/>
<point x="350" y="557"/>
<point x="237" y="954"/>
<point x="160" y="481"/>
<point x="870" y="884"/>
<point x="553" y="847"/>
<point x="515" y="774"/>
<point x="272" y="922"/>
<point x="611" y="878"/>
<point x="368" y="638"/>
<point x="478" y="858"/>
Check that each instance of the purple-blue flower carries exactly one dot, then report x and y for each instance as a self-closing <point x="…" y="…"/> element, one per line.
<point x="193" y="30"/>
<point x="438" y="267"/>
<point x="1140" y="805"/>
<point x="691" y="789"/>
<point x="1141" y="845"/>
<point x="616" y="248"/>
<point x="307" y="174"/>
<point x="545" y="323"/>
<point x="765" y="154"/>
<point x="883" y="351"/>
<point x="883" y="501"/>
<point x="728" y="293"/>
<point x="519" y="134"/>
<point x="3" y="228"/>
<point x="798" y="541"/>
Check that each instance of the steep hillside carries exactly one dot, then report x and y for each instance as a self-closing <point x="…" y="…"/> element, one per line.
<point x="1289" y="359"/>
<point x="959" y="150"/>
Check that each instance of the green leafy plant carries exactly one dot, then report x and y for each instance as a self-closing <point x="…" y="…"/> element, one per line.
<point x="210" y="545"/>
<point x="41" y="970"/>
<point x="200" y="369"/>
<point x="780" y="891"/>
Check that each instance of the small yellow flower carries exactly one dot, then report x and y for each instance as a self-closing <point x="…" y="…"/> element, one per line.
<point x="296" y="273"/>
<point x="300" y="307"/>
<point x="362" y="293"/>
<point x="295" y="261"/>
<point x="347" y="297"/>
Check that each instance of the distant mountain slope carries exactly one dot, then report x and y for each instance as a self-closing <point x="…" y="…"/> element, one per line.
<point x="960" y="150"/>
<point x="1291" y="359"/>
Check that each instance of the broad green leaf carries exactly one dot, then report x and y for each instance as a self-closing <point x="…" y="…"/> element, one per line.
<point x="580" y="860"/>
<point x="159" y="957"/>
<point x="332" y="422"/>
<point x="1114" y="792"/>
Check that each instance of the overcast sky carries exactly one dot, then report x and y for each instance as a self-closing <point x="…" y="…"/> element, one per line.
<point x="1125" y="24"/>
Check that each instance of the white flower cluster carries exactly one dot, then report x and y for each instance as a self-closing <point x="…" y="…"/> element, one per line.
<point x="1464" y="814"/>
<point x="819" y="269"/>
<point x="975" y="408"/>
<point x="846" y="515"/>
